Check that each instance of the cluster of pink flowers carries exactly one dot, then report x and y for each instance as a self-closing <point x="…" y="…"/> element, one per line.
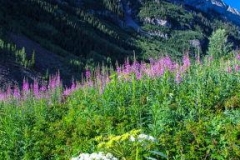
<point x="35" y="90"/>
<point x="156" y="68"/>
<point x="99" y="78"/>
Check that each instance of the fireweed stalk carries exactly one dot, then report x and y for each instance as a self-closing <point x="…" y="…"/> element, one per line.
<point x="156" y="68"/>
<point x="99" y="79"/>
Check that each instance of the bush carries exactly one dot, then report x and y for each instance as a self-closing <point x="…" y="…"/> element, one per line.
<point x="218" y="45"/>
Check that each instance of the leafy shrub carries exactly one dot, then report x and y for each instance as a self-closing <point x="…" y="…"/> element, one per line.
<point x="218" y="45"/>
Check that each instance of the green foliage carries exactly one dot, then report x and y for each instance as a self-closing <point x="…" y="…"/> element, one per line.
<point x="195" y="119"/>
<point x="21" y="58"/>
<point x="10" y="50"/>
<point x="91" y="30"/>
<point x="183" y="25"/>
<point x="128" y="145"/>
<point x="218" y="45"/>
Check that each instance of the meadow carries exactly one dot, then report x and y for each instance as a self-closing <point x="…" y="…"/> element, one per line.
<point x="157" y="110"/>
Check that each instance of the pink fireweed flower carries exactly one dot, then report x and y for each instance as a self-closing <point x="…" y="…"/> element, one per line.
<point x="237" y="68"/>
<point x="119" y="70"/>
<point x="36" y="89"/>
<point x="127" y="67"/>
<point x="90" y="83"/>
<point x="158" y="69"/>
<point x="25" y="86"/>
<point x="152" y="61"/>
<point x="135" y="67"/>
<point x="52" y="83"/>
<point x="238" y="57"/>
<point x="229" y="69"/>
<point x="58" y="80"/>
<point x="43" y="88"/>
<point x="88" y="74"/>
<point x="2" y="96"/>
<point x="149" y="72"/>
<point x="16" y="93"/>
<point x="168" y="64"/>
<point x="70" y="90"/>
<point x="139" y="76"/>
<point x="67" y="91"/>
<point x="186" y="61"/>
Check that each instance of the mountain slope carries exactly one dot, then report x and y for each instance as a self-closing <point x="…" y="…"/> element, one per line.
<point x="218" y="6"/>
<point x="85" y="33"/>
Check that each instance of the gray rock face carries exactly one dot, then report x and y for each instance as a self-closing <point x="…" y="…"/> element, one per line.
<point x="218" y="6"/>
<point x="157" y="21"/>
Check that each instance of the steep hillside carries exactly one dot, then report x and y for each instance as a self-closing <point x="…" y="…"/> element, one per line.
<point x="73" y="35"/>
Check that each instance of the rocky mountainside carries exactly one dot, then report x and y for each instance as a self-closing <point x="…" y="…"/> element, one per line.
<point x="218" y="6"/>
<point x="74" y="35"/>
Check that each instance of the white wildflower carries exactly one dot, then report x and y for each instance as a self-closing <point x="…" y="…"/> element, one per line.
<point x="95" y="156"/>
<point x="132" y="139"/>
<point x="143" y="137"/>
<point x="109" y="155"/>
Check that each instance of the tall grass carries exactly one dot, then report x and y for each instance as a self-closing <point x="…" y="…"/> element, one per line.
<point x="190" y="108"/>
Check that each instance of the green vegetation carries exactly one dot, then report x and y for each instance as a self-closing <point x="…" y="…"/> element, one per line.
<point x="183" y="25"/>
<point x="191" y="115"/>
<point x="157" y="110"/>
<point x="218" y="46"/>
<point x="67" y="30"/>
<point x="10" y="51"/>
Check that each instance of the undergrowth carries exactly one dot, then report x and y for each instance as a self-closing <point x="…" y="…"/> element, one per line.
<point x="192" y="111"/>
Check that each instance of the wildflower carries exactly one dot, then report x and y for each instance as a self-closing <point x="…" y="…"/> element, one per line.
<point x="43" y="88"/>
<point x="54" y="82"/>
<point x="25" y="87"/>
<point x="36" y="89"/>
<point x="167" y="62"/>
<point x="132" y="139"/>
<point x="95" y="156"/>
<point x="127" y="67"/>
<point x="119" y="70"/>
<point x="67" y="92"/>
<point x="88" y="74"/>
<point x="229" y="69"/>
<point x="143" y="137"/>
<point x="237" y="68"/>
<point x="186" y="61"/>
<point x="238" y="56"/>
<point x="2" y="96"/>
<point x="16" y="93"/>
